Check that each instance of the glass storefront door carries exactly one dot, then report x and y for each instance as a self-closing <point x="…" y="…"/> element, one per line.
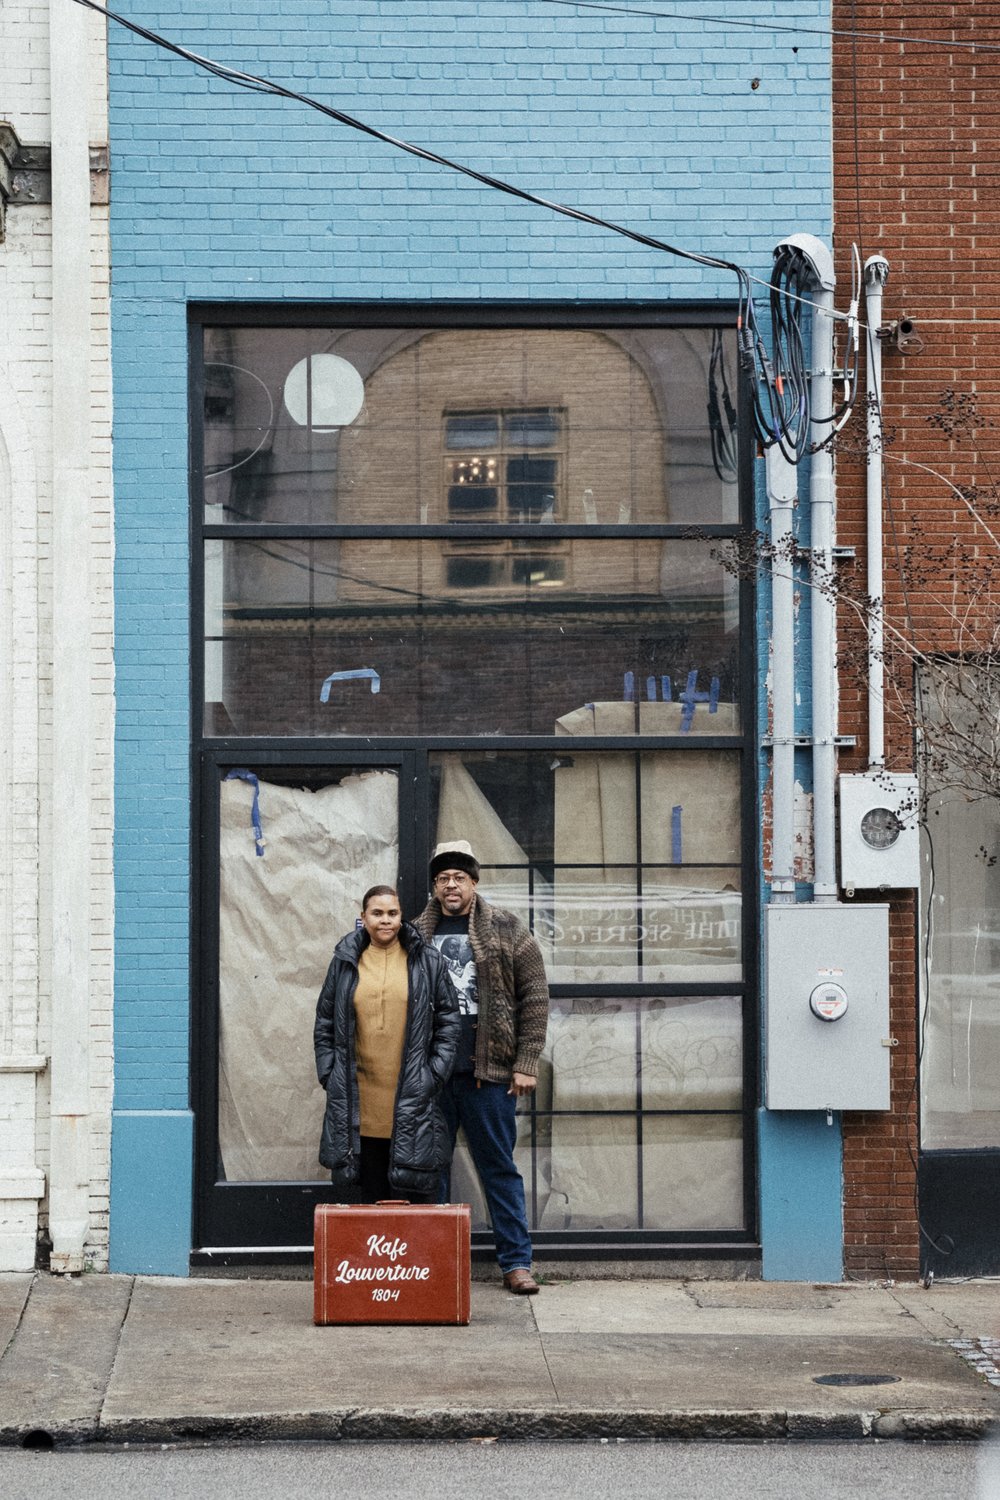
<point x="290" y="846"/>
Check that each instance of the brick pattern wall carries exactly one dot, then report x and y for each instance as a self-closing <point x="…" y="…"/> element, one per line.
<point x="664" y="123"/>
<point x="25" y="570"/>
<point x="916" y="130"/>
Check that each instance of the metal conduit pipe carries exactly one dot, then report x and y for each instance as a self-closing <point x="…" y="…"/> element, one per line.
<point x="823" y="603"/>
<point x="876" y="276"/>
<point x="782" y="492"/>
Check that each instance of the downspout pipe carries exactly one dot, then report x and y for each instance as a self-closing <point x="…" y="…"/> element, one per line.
<point x="876" y="276"/>
<point x="782" y="493"/>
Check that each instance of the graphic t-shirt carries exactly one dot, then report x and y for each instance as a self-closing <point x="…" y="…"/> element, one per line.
<point x="452" y="941"/>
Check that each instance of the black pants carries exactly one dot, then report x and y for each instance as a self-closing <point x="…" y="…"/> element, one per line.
<point x="374" y="1183"/>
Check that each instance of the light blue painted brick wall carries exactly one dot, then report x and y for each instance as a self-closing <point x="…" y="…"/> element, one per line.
<point x="800" y="1197"/>
<point x="650" y="121"/>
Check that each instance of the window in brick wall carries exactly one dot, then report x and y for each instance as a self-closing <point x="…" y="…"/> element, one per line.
<point x="505" y="465"/>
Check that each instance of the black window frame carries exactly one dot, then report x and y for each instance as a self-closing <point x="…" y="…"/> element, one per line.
<point x="208" y="754"/>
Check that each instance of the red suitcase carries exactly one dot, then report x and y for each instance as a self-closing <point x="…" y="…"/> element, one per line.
<point x="391" y="1263"/>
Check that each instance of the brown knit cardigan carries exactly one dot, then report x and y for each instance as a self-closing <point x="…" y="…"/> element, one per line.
<point x="511" y="988"/>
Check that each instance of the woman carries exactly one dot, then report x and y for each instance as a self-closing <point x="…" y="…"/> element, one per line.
<point x="385" y="1037"/>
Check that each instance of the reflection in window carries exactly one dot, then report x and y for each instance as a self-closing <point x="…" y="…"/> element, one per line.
<point x="520" y="425"/>
<point x="597" y="651"/>
<point x="496" y="479"/>
<point x="960" y="903"/>
<point x="501" y="477"/>
<point x="579" y="848"/>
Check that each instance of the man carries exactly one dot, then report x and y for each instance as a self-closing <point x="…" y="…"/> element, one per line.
<point x="498" y="973"/>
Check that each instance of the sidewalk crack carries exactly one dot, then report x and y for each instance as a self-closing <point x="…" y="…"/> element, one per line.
<point x="934" y="1333"/>
<point x="20" y="1318"/>
<point x="114" y="1362"/>
<point x="545" y="1357"/>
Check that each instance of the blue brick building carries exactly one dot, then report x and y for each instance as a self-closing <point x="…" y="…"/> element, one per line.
<point x="254" y="242"/>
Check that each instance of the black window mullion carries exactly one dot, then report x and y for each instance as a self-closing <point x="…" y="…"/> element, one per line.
<point x="469" y="531"/>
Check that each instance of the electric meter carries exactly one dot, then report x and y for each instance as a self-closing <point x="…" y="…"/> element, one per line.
<point x="880" y="828"/>
<point x="879" y="831"/>
<point x="828" y="1002"/>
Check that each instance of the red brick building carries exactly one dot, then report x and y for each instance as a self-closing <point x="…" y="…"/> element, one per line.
<point x="916" y="99"/>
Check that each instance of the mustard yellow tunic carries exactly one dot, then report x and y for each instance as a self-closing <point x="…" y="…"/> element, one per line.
<point x="380" y="1001"/>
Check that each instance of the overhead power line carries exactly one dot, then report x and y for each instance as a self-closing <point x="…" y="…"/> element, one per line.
<point x="260" y="85"/>
<point x="266" y="86"/>
<point x="779" y="385"/>
<point x="793" y="27"/>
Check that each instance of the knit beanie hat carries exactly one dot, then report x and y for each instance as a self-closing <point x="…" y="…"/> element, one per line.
<point x="456" y="855"/>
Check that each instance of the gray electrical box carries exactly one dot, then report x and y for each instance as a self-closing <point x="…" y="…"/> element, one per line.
<point x="826" y="1007"/>
<point x="879" y="831"/>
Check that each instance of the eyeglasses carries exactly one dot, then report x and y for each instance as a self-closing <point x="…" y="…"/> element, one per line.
<point x="444" y="880"/>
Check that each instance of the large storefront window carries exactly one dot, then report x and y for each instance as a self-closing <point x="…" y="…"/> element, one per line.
<point x="462" y="582"/>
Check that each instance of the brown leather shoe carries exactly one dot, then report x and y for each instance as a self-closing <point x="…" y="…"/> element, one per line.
<point x="522" y="1282"/>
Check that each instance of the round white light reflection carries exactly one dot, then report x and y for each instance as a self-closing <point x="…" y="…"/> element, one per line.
<point x="338" y="392"/>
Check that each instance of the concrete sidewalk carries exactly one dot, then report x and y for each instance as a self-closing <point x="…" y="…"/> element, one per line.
<point x="140" y="1359"/>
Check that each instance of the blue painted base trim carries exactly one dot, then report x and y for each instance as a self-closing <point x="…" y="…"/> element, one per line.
<point x="152" y="1154"/>
<point x="801" y="1196"/>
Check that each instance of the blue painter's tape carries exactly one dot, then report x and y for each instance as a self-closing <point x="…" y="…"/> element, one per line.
<point x="713" y="696"/>
<point x="651" y="689"/>
<point x="629" y="687"/>
<point x="351" y="676"/>
<point x="258" y="832"/>
<point x="676" y="849"/>
<point x="689" y="698"/>
<point x="667" y="689"/>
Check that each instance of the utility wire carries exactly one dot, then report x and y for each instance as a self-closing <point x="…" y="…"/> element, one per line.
<point x="773" y="26"/>
<point x="266" y="86"/>
<point x="779" y="387"/>
<point x="259" y="85"/>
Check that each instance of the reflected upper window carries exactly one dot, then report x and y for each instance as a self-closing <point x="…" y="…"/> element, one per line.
<point x="352" y="426"/>
<point x="505" y="466"/>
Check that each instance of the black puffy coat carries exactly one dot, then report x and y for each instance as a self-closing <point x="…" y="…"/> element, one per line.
<point x="419" y="1146"/>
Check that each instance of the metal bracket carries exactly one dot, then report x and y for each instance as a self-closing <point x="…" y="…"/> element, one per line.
<point x="806" y="741"/>
<point x="837" y="554"/>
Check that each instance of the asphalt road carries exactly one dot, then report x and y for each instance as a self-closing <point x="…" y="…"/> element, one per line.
<point x="538" y="1471"/>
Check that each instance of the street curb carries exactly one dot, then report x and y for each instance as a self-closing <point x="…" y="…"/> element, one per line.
<point x="527" y="1424"/>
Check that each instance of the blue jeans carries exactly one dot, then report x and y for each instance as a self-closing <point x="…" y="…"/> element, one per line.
<point x="486" y="1114"/>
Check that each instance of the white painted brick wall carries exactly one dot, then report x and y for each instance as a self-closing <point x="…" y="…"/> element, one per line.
<point x="28" y="843"/>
